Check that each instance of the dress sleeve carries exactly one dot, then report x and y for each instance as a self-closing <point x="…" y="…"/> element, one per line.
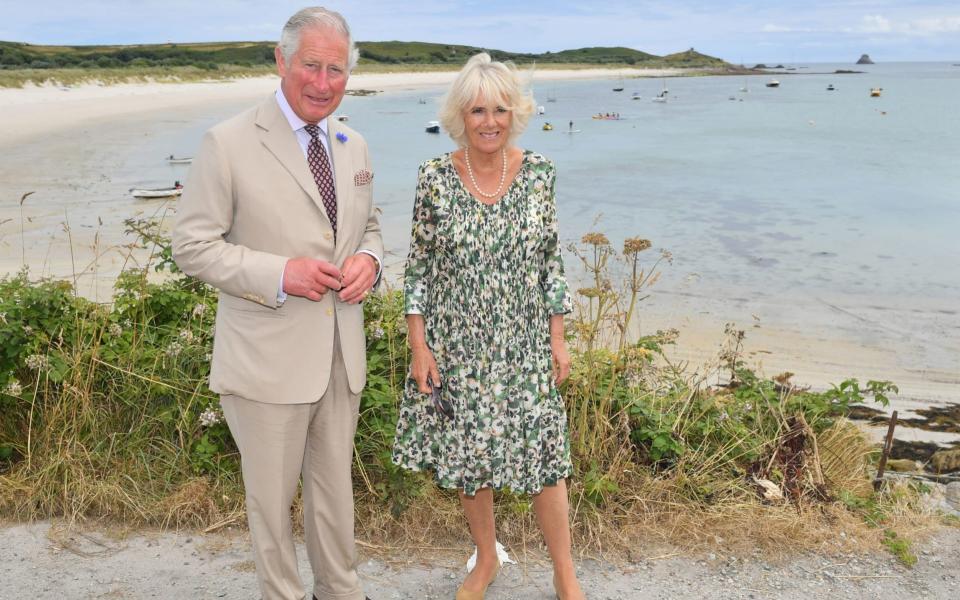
<point x="552" y="280"/>
<point x="416" y="275"/>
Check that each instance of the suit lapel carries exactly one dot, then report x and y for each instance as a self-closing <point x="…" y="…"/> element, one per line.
<point x="275" y="134"/>
<point x="343" y="176"/>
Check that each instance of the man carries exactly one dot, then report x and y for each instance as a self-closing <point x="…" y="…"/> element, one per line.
<point x="278" y="214"/>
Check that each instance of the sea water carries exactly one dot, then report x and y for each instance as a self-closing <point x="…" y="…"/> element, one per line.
<point x="797" y="200"/>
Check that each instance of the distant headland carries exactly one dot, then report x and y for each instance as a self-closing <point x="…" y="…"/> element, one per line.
<point x="864" y="60"/>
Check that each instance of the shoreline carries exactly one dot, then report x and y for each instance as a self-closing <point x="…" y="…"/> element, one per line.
<point x="27" y="113"/>
<point x="41" y="122"/>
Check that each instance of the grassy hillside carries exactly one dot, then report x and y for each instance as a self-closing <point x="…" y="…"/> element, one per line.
<point x="212" y="56"/>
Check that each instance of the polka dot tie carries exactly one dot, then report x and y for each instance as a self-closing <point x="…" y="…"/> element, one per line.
<point x="320" y="166"/>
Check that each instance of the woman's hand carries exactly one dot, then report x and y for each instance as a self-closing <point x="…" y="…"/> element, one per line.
<point x="422" y="366"/>
<point x="561" y="360"/>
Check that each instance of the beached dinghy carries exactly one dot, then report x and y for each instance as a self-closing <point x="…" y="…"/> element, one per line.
<point x="168" y="192"/>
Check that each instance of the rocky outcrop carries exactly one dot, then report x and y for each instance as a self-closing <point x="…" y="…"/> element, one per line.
<point x="865" y="60"/>
<point x="946" y="461"/>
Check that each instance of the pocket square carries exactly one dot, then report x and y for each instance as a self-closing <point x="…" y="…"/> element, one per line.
<point x="362" y="177"/>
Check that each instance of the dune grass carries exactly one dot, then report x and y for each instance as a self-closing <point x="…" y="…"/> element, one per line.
<point x="105" y="415"/>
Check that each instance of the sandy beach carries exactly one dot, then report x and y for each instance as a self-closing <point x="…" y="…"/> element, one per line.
<point x="37" y="110"/>
<point x="47" y="128"/>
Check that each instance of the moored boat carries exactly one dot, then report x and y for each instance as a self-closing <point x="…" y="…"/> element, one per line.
<point x="168" y="192"/>
<point x="433" y="127"/>
<point x="875" y="92"/>
<point x="773" y="83"/>
<point x="179" y="160"/>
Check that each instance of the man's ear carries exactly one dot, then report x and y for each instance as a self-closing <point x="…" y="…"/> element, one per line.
<point x="281" y="66"/>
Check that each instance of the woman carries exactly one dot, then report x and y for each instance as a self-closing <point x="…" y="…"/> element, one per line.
<point x="485" y="297"/>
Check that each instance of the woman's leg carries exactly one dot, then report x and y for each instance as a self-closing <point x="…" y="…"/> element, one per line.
<point x="479" y="512"/>
<point x="553" y="514"/>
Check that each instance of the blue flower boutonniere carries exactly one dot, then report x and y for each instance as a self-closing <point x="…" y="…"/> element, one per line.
<point x="341" y="137"/>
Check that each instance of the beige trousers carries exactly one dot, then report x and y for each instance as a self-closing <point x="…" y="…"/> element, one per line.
<point x="278" y="444"/>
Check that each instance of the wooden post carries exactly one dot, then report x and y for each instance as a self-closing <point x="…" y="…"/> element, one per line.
<point x="887" y="447"/>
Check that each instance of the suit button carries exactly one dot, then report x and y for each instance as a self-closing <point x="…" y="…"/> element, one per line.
<point x="329" y="312"/>
<point x="328" y="236"/>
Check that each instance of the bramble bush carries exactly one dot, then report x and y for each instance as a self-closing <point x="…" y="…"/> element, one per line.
<point x="105" y="413"/>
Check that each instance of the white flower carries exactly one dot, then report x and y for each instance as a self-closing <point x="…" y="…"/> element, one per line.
<point x="186" y="335"/>
<point x="198" y="309"/>
<point x="115" y="330"/>
<point x="28" y="330"/>
<point x="3" y="317"/>
<point x="210" y="417"/>
<point x="13" y="388"/>
<point x="208" y="357"/>
<point x="35" y="362"/>
<point x="378" y="333"/>
<point x="173" y="349"/>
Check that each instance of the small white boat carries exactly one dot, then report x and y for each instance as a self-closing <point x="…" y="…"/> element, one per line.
<point x="433" y="126"/>
<point x="179" y="160"/>
<point x="773" y="83"/>
<point x="541" y="109"/>
<point x="661" y="97"/>
<point x="169" y="192"/>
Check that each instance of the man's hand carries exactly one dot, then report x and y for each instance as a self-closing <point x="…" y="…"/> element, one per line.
<point x="359" y="273"/>
<point x="310" y="278"/>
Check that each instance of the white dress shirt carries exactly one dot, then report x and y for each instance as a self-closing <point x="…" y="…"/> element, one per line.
<point x="303" y="138"/>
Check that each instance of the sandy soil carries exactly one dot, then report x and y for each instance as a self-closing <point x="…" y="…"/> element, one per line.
<point x="44" y="561"/>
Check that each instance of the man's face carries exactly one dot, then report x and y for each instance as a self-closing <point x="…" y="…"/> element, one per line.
<point x="315" y="77"/>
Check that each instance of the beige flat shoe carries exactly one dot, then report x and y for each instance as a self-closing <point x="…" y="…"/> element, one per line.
<point x="463" y="594"/>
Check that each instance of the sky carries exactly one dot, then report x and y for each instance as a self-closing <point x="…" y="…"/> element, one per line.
<point x="739" y="31"/>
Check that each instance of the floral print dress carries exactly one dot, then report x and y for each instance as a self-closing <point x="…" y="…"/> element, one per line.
<point x="486" y="279"/>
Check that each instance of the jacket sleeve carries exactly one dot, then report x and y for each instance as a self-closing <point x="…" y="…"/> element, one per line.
<point x="205" y="214"/>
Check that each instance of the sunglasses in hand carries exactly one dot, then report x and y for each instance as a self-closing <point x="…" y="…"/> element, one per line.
<point x="440" y="404"/>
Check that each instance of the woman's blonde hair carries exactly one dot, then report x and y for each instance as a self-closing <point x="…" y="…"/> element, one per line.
<point x="482" y="76"/>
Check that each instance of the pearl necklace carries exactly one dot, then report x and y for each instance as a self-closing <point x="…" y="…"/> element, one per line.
<point x="473" y="180"/>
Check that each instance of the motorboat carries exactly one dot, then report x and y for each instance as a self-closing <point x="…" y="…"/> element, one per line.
<point x="179" y="160"/>
<point x="636" y="96"/>
<point x="661" y="97"/>
<point x="433" y="126"/>
<point x="167" y="192"/>
<point x="606" y="116"/>
<point x="875" y="92"/>
<point x="343" y="118"/>
<point x="541" y="109"/>
<point x="773" y="83"/>
<point x="547" y="127"/>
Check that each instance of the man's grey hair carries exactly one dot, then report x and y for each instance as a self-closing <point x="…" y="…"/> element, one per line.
<point x="315" y="16"/>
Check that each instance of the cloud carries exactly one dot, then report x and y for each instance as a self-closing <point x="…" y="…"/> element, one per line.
<point x="874" y="24"/>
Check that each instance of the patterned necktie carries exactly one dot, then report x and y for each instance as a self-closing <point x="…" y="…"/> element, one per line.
<point x="320" y="165"/>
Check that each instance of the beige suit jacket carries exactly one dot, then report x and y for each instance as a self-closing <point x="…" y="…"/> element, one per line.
<point x="250" y="203"/>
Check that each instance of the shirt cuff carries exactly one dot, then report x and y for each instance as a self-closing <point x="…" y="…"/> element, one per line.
<point x="376" y="282"/>
<point x="281" y="295"/>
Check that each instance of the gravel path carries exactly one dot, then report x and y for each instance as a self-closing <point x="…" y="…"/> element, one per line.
<point x="40" y="561"/>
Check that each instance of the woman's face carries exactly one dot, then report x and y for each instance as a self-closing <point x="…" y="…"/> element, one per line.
<point x="487" y="124"/>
